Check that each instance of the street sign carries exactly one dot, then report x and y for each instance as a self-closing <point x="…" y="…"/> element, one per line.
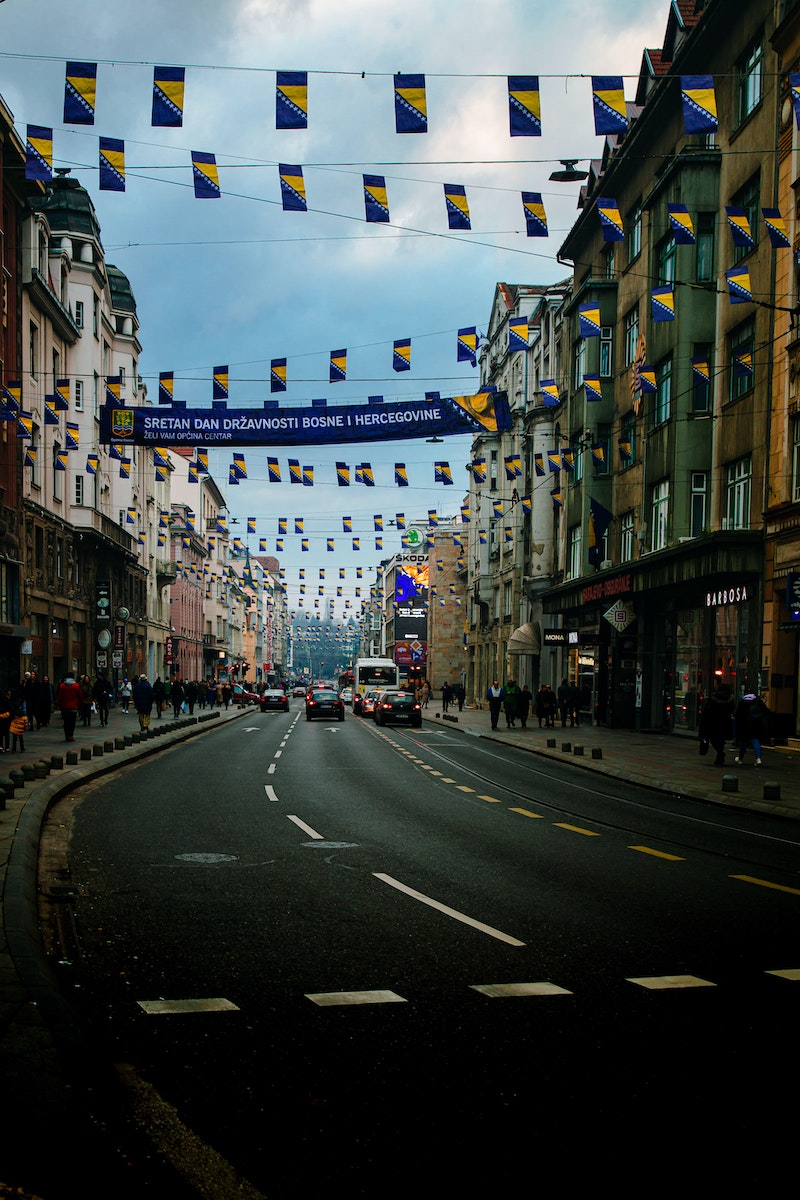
<point x="620" y="615"/>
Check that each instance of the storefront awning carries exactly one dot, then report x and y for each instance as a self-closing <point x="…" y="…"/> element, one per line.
<point x="526" y="640"/>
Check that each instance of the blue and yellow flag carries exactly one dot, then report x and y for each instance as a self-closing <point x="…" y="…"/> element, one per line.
<point x="73" y="436"/>
<point x="282" y="523"/>
<point x="739" y="223"/>
<point x="497" y="509"/>
<point x="293" y="188"/>
<point x="699" y="104"/>
<point x="681" y="225"/>
<point x="466" y="513"/>
<point x="538" y="464"/>
<point x="113" y="389"/>
<point x="599" y="455"/>
<point x="376" y="203"/>
<point x="92" y="464"/>
<point x="166" y="387"/>
<point x="743" y="364"/>
<point x="273" y="470"/>
<point x="62" y="394"/>
<point x="410" y="104"/>
<point x="62" y="460"/>
<point x="455" y="197"/>
<point x="478" y="468"/>
<point x="610" y="220"/>
<point x="625" y="450"/>
<point x="277" y="375"/>
<point x="364" y="472"/>
<point x="442" y="473"/>
<point x="330" y="545"/>
<point x="400" y="520"/>
<point x="551" y="397"/>
<point x="304" y="545"/>
<point x="401" y="356"/>
<point x="467" y="345"/>
<point x="31" y="453"/>
<point x="298" y="524"/>
<point x="160" y="456"/>
<point x="592" y="387"/>
<point x="357" y="546"/>
<point x="599" y="520"/>
<point x="338" y="366"/>
<point x="347" y="524"/>
<point x="608" y="100"/>
<point x="219" y="387"/>
<point x="377" y="523"/>
<point x="513" y="466"/>
<point x="568" y="459"/>
<point x="206" y="176"/>
<point x="701" y="372"/>
<point x="39" y="153"/>
<point x="80" y="93"/>
<point x="202" y="460"/>
<point x="279" y="545"/>
<point x="740" y="290"/>
<point x="776" y="228"/>
<point x="308" y="476"/>
<point x="647" y="379"/>
<point x="112" y="165"/>
<point x="262" y="546"/>
<point x="662" y="303"/>
<point x="517" y="334"/>
<point x="400" y="474"/>
<point x="233" y="478"/>
<point x="238" y="466"/>
<point x="343" y="475"/>
<point x="168" y="87"/>
<point x="24" y="425"/>
<point x="251" y="524"/>
<point x="554" y="460"/>
<point x="524" y="106"/>
<point x="527" y="504"/>
<point x="535" y="216"/>
<point x="557" y="498"/>
<point x="51" y="416"/>
<point x="291" y="100"/>
<point x="433" y="518"/>
<point x="589" y="319"/>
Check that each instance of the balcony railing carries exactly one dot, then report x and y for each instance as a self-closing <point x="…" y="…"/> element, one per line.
<point x="91" y="520"/>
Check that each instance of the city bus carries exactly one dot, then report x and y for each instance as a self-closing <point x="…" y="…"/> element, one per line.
<point x="373" y="673"/>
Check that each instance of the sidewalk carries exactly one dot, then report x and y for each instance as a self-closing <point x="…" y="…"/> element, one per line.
<point x="666" y="762"/>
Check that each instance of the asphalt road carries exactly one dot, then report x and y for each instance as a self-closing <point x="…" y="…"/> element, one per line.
<point x="335" y="957"/>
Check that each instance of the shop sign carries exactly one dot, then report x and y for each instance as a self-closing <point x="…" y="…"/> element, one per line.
<point x="554" y="637"/>
<point x="168" y="650"/>
<point x="620" y="615"/>
<point x="736" y="594"/>
<point x="793" y="594"/>
<point x="618" y="586"/>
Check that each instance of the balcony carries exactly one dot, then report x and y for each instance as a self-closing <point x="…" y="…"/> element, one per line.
<point x="90" y="521"/>
<point x="166" y="572"/>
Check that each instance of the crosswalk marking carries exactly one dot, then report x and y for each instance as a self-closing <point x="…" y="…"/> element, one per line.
<point x="499" y="991"/>
<point x="790" y="973"/>
<point x="328" y="999"/>
<point x="166" y="1007"/>
<point x="655" y="983"/>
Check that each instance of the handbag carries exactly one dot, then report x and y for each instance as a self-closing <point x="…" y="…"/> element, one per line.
<point x="703" y="745"/>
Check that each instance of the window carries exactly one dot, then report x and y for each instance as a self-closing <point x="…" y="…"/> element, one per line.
<point x="575" y="540"/>
<point x="741" y="364"/>
<point x="659" y="515"/>
<point x="95" y="316"/>
<point x="631" y="335"/>
<point x="578" y="362"/>
<point x="60" y="558"/>
<point x="79" y="318"/>
<point x="739" y="481"/>
<point x="33" y="349"/>
<point x="701" y="377"/>
<point x="751" y="80"/>
<point x="697" y="505"/>
<point x="32" y="457"/>
<point x="507" y="600"/>
<point x="627" y="441"/>
<point x="605" y="351"/>
<point x="577" y="458"/>
<point x="626" y="537"/>
<point x="748" y="199"/>
<point x="663" y="397"/>
<point x="600" y="451"/>
<point x="79" y="490"/>
<point x="493" y="471"/>
<point x="665" y="256"/>
<point x="57" y="475"/>
<point x="704" y="246"/>
<point x="634" y="227"/>
<point x="122" y="379"/>
<point x="796" y="458"/>
<point x="608" y="260"/>
<point x="78" y="395"/>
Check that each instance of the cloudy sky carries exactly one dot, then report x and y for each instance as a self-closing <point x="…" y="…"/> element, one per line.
<point x="237" y="281"/>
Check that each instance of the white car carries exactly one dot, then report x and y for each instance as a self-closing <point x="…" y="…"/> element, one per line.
<point x="347" y="695"/>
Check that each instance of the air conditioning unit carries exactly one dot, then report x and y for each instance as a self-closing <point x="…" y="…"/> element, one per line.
<point x="605" y="564"/>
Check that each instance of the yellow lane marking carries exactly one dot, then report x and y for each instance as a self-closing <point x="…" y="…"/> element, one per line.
<point x="790" y="973"/>
<point x="657" y="853"/>
<point x="462" y="787"/>
<point x="776" y="887"/>
<point x="657" y="983"/>
<point x="490" y="799"/>
<point x="525" y="813"/>
<point x="448" y="780"/>
<point x="577" y="829"/>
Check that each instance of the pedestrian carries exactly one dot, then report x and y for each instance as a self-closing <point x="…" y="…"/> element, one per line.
<point x="85" y="685"/>
<point x="542" y="705"/>
<point x="510" y="692"/>
<point x="19" y="724"/>
<point x="158" y="691"/>
<point x="143" y="695"/>
<point x="716" y="722"/>
<point x="524" y="698"/>
<point x="191" y="695"/>
<point x="69" y="698"/>
<point x="5" y="721"/>
<point x="227" y="693"/>
<point x="494" y="695"/>
<point x="574" y="705"/>
<point x="177" y="696"/>
<point x="461" y="695"/>
<point x="125" y="693"/>
<point x="202" y="693"/>
<point x="44" y="703"/>
<point x="101" y="696"/>
<point x="446" y="696"/>
<point x="29" y="694"/>
<point x="211" y="692"/>
<point x="426" y="693"/>
<point x="552" y="707"/>
<point x="563" y="702"/>
<point x="752" y="726"/>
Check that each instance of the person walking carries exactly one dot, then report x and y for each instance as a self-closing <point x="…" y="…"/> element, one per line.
<point x="85" y="684"/>
<point x="191" y="695"/>
<point x="461" y="695"/>
<point x="524" y="699"/>
<point x="143" y="701"/>
<point x="5" y="721"/>
<point x="101" y="695"/>
<point x="574" y="705"/>
<point x="44" y="703"/>
<point x="69" y="698"/>
<point x="752" y="726"/>
<point x="715" y="726"/>
<point x="125" y="693"/>
<point x="510" y="693"/>
<point x="552" y="707"/>
<point x="563" y="702"/>
<point x="542" y="705"/>
<point x="494" y="695"/>
<point x="159" y="693"/>
<point x="426" y="693"/>
<point x="177" y="696"/>
<point x="19" y="724"/>
<point x="446" y="696"/>
<point x="227" y="693"/>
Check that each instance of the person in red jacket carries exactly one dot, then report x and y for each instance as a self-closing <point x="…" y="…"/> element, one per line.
<point x="69" y="698"/>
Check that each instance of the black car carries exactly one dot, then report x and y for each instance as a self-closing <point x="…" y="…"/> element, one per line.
<point x="324" y="702"/>
<point x="398" y="708"/>
<point x="274" y="698"/>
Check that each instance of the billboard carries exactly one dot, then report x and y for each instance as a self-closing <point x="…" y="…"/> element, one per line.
<point x="411" y="611"/>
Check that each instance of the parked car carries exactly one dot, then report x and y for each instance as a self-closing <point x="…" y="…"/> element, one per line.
<point x="398" y="708"/>
<point x="244" y="694"/>
<point x="368" y="701"/>
<point x="324" y="702"/>
<point x="274" y="698"/>
<point x="347" y="695"/>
